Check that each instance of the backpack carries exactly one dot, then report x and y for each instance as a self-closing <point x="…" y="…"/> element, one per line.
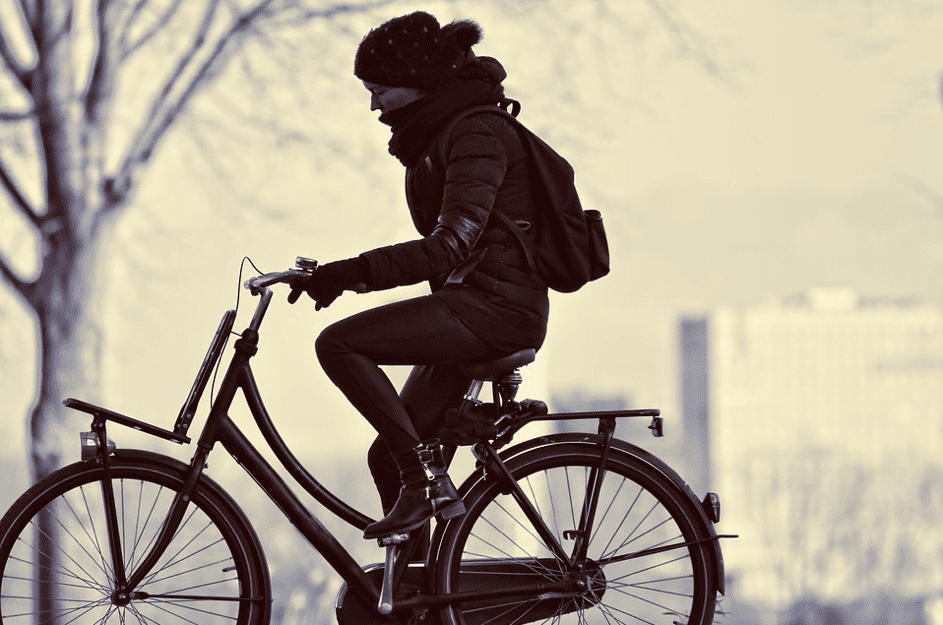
<point x="571" y="247"/>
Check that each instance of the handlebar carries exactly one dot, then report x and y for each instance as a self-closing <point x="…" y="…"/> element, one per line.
<point x="258" y="284"/>
<point x="303" y="265"/>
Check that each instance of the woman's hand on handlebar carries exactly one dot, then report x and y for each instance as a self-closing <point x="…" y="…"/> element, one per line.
<point x="329" y="281"/>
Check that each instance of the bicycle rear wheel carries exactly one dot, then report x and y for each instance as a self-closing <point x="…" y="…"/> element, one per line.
<point x="56" y="564"/>
<point x="623" y="579"/>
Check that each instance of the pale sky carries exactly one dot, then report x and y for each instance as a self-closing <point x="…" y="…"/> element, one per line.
<point x="801" y="167"/>
<point x="815" y="159"/>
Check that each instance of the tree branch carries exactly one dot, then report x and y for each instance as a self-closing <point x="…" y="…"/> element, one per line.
<point x="306" y="15"/>
<point x="101" y="81"/>
<point x="163" y="112"/>
<point x="135" y="12"/>
<point x="16" y="116"/>
<point x="689" y="42"/>
<point x="19" y="200"/>
<point x="126" y="50"/>
<point x="23" y="74"/>
<point x="25" y="289"/>
<point x="176" y="95"/>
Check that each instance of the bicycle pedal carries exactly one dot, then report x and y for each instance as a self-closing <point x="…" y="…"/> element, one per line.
<point x="392" y="539"/>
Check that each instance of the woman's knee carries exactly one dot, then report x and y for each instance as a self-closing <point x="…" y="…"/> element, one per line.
<point x="329" y="343"/>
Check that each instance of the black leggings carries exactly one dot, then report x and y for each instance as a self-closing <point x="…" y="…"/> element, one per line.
<point x="420" y="331"/>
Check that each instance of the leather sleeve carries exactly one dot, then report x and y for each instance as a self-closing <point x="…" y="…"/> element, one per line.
<point x="477" y="162"/>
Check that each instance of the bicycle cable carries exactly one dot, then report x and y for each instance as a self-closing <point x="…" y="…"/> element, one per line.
<point x="242" y="266"/>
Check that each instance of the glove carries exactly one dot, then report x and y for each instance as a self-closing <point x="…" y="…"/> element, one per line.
<point x="328" y="282"/>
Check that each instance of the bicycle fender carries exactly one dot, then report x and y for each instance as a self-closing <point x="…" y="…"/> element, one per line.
<point x="140" y="454"/>
<point x="646" y="457"/>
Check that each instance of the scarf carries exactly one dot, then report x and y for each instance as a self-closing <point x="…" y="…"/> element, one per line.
<point x="415" y="125"/>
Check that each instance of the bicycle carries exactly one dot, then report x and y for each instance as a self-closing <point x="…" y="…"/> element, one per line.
<point x="567" y="527"/>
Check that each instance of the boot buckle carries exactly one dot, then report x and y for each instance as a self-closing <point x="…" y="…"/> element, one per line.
<point x="425" y="455"/>
<point x="426" y="458"/>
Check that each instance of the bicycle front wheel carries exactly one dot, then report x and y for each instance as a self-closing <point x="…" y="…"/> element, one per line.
<point x="56" y="562"/>
<point x="619" y="576"/>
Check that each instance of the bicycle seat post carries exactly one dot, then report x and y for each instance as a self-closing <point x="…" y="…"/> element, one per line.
<point x="474" y="389"/>
<point x="503" y="374"/>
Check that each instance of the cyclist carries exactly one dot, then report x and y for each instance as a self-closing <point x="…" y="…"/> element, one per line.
<point x="485" y="300"/>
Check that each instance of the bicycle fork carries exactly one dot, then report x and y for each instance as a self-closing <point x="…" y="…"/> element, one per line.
<point x="123" y="592"/>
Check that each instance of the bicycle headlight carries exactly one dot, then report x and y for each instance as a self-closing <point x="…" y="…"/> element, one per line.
<point x="90" y="445"/>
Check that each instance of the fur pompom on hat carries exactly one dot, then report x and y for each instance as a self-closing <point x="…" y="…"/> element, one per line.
<point x="413" y="51"/>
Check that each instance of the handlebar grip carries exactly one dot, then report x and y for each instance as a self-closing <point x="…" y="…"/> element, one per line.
<point x="256" y="284"/>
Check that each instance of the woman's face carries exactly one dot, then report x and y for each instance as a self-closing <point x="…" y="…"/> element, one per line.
<point x="384" y="98"/>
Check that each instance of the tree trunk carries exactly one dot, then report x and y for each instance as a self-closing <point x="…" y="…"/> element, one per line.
<point x="69" y="320"/>
<point x="70" y="343"/>
<point x="64" y="296"/>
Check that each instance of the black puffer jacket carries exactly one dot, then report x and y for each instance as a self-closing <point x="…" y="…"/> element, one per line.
<point x="485" y="170"/>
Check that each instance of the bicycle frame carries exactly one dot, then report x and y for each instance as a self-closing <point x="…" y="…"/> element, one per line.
<point x="220" y="428"/>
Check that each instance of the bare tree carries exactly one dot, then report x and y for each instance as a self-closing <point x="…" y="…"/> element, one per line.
<point x="74" y="100"/>
<point x="89" y="92"/>
<point x="865" y="18"/>
<point x="834" y="527"/>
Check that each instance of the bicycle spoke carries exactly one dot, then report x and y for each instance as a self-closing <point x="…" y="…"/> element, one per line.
<point x="605" y="515"/>
<point x="507" y="536"/>
<point x="632" y="514"/>
<point x="511" y="608"/>
<point x="141" y="530"/>
<point x="172" y="560"/>
<point x="569" y="492"/>
<point x="204" y="578"/>
<point x="98" y="560"/>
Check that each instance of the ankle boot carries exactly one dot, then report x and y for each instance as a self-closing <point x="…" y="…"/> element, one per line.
<point x="427" y="491"/>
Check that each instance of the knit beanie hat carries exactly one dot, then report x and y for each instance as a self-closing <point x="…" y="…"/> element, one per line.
<point x="413" y="51"/>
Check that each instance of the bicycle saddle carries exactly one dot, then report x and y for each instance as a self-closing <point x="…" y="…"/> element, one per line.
<point x="500" y="366"/>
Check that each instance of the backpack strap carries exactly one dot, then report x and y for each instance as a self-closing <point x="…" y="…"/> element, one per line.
<point x="514" y="229"/>
<point x="500" y="109"/>
<point x="495" y="109"/>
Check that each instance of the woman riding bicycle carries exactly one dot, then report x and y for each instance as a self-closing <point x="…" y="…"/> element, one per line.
<point x="485" y="302"/>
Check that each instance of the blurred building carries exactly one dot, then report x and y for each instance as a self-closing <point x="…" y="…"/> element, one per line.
<point x="815" y="418"/>
<point x="582" y="400"/>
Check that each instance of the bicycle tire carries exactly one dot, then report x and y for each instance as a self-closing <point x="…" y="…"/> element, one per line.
<point x="639" y="508"/>
<point x="212" y="570"/>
